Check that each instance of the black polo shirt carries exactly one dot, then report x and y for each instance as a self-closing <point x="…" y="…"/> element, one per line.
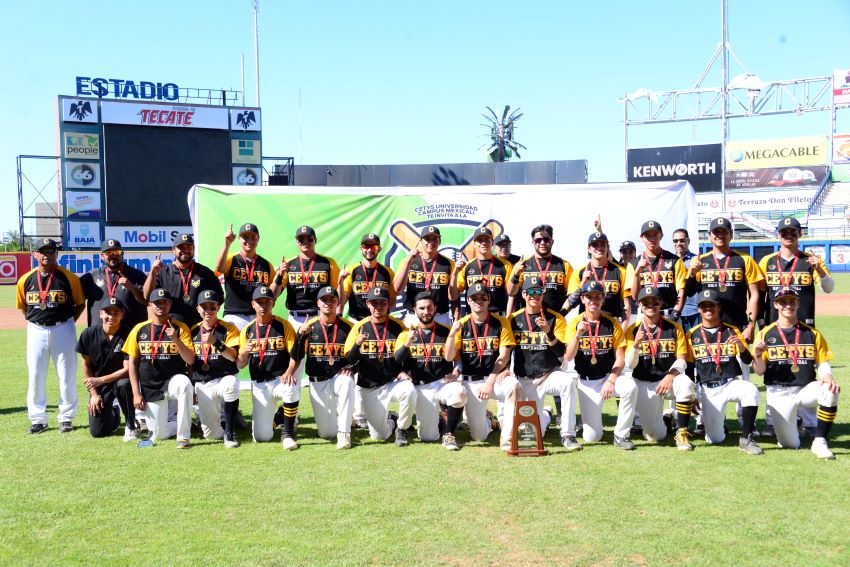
<point x="96" y="287"/>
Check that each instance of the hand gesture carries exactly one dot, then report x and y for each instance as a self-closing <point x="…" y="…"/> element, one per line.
<point x="283" y="268"/>
<point x="343" y="274"/>
<point x="157" y="265"/>
<point x="304" y="329"/>
<point x="410" y="334"/>
<point x="415" y="253"/>
<point x="542" y="323"/>
<point x="643" y="263"/>
<point x="361" y="338"/>
<point x="813" y="260"/>
<point x="760" y="347"/>
<point x="170" y="331"/>
<point x="736" y="341"/>
<point x="695" y="267"/>
<point x="229" y="236"/>
<point x="640" y="335"/>
<point x="455" y="328"/>
<point x="460" y="264"/>
<point x="597" y="223"/>
<point x="521" y="266"/>
<point x="747" y="333"/>
<point x="582" y="327"/>
<point x="123" y="281"/>
<point x="585" y="275"/>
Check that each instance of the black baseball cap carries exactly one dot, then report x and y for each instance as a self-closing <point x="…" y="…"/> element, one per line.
<point x="649" y="291"/>
<point x="114" y="302"/>
<point x="788" y="222"/>
<point x="209" y="295"/>
<point x="596" y="236"/>
<point x="627" y="244"/>
<point x="532" y="282"/>
<point x="305" y="231"/>
<point x="592" y="287"/>
<point x="159" y="294"/>
<point x="46" y="243"/>
<point x="482" y="231"/>
<point x="786" y="292"/>
<point x="378" y="293"/>
<point x="110" y="244"/>
<point x="708" y="296"/>
<point x="249" y="227"/>
<point x="371" y="237"/>
<point x="429" y="230"/>
<point x="327" y="290"/>
<point x="720" y="222"/>
<point x="182" y="238"/>
<point x="650" y="225"/>
<point x="263" y="292"/>
<point x="501" y="239"/>
<point x="477" y="288"/>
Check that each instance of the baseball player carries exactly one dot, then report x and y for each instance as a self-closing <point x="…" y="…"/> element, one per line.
<point x="354" y="284"/>
<point x="628" y="254"/>
<point x="794" y="359"/>
<point x="264" y="347"/>
<point x="609" y="274"/>
<point x="503" y="249"/>
<point x="660" y="269"/>
<point x="540" y="334"/>
<point x="182" y="280"/>
<point x="555" y="272"/>
<point x="114" y="278"/>
<point x="791" y="267"/>
<point x="371" y="347"/>
<point x="420" y="351"/>
<point x="426" y="270"/>
<point x="106" y="372"/>
<point x="214" y="372"/>
<point x="719" y="352"/>
<point x="159" y="350"/>
<point x="681" y="246"/>
<point x="735" y="277"/>
<point x="596" y="343"/>
<point x="51" y="299"/>
<point x="320" y="343"/>
<point x="243" y="273"/>
<point x="482" y="342"/>
<point x="656" y="350"/>
<point x="491" y="270"/>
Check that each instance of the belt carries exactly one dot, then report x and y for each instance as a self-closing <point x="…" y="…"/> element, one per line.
<point x="715" y="383"/>
<point x="593" y="377"/>
<point x="304" y="313"/>
<point x="538" y="375"/>
<point x="316" y="379"/>
<point x="54" y="324"/>
<point x="470" y="378"/>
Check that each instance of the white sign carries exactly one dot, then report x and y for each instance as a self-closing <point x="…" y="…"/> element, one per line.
<point x="79" y="110"/>
<point x="841" y="86"/>
<point x="839" y="254"/>
<point x="84" y="234"/>
<point x="79" y="175"/>
<point x="165" y="115"/>
<point x="80" y="262"/>
<point x="145" y="236"/>
<point x="247" y="175"/>
<point x="747" y="201"/>
<point x="245" y="119"/>
<point x="81" y="205"/>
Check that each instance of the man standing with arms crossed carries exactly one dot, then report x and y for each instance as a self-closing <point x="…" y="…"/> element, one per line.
<point x="420" y="352"/>
<point x="553" y="271"/>
<point x="51" y="299"/>
<point x="243" y="273"/>
<point x="482" y="342"/>
<point x="114" y="278"/>
<point x="491" y="270"/>
<point x="426" y="270"/>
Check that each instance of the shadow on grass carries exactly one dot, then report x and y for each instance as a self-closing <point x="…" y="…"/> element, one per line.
<point x="9" y="411"/>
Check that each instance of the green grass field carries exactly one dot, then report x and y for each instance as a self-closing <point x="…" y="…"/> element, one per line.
<point x="70" y="499"/>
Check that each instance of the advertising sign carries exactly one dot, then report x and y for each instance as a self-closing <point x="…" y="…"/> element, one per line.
<point x="839" y="254"/>
<point x="124" y="88"/>
<point x="79" y="262"/>
<point x="145" y="236"/>
<point x="782" y="152"/>
<point x="810" y="176"/>
<point x="13" y="265"/>
<point x="841" y="148"/>
<point x="84" y="234"/>
<point x="245" y="119"/>
<point x="170" y="116"/>
<point x="81" y="145"/>
<point x="83" y="204"/>
<point x="699" y="165"/>
<point x="754" y="201"/>
<point x="841" y="86"/>
<point x="79" y="110"/>
<point x="80" y="175"/>
<point x="247" y="176"/>
<point x="245" y="151"/>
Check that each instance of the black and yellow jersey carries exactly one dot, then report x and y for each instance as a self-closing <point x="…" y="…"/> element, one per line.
<point x="429" y="275"/>
<point x="554" y="272"/>
<point x="305" y="278"/>
<point x="730" y="277"/>
<point x="157" y="354"/>
<point x="358" y="283"/>
<point x="424" y="360"/>
<point x="663" y="344"/>
<point x="376" y="364"/>
<point x="270" y="346"/>
<point x="665" y="272"/>
<point x="533" y="356"/>
<point x="713" y="358"/>
<point x="800" y="345"/>
<point x="795" y="273"/>
<point x="242" y="275"/>
<point x="479" y="343"/>
<point x="493" y="273"/>
<point x="612" y="276"/>
<point x="49" y="298"/>
<point x="601" y="342"/>
<point x="323" y="348"/>
<point x="217" y="366"/>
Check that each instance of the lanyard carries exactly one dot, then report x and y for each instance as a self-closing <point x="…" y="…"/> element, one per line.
<point x="42" y="292"/>
<point x="205" y="347"/>
<point x="186" y="281"/>
<point x="597" y="278"/>
<point x="370" y="285"/>
<point x="430" y="345"/>
<point x="721" y="273"/>
<point x="155" y="344"/>
<point x="382" y="341"/>
<point x="305" y="278"/>
<point x="795" y="351"/>
<point x="428" y="275"/>
<point x="251" y="269"/>
<point x="110" y="289"/>
<point x="478" y="346"/>
<point x="715" y="354"/>
<point x="653" y="346"/>
<point x="262" y="345"/>
<point x="786" y="281"/>
<point x="329" y="345"/>
<point x="489" y="272"/>
<point x="543" y="273"/>
<point x="594" y="338"/>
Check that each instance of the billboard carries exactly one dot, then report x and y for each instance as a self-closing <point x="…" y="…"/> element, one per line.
<point x="13" y="265"/>
<point x="699" y="165"/>
<point x="144" y="236"/>
<point x="245" y="151"/>
<point x="781" y="152"/>
<point x="81" y="145"/>
<point x="810" y="176"/>
<point x="83" y="234"/>
<point x="79" y="110"/>
<point x="82" y="204"/>
<point x="163" y="115"/>
<point x="247" y="176"/>
<point x="80" y="175"/>
<point x="754" y="201"/>
<point x="841" y="86"/>
<point x="841" y="148"/>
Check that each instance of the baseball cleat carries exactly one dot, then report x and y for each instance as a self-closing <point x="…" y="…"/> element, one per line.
<point x="683" y="439"/>
<point x="624" y="443"/>
<point x="343" y="440"/>
<point x="570" y="444"/>
<point x="401" y="437"/>
<point x="450" y="443"/>
<point x="360" y="424"/>
<point x="230" y="441"/>
<point x="37" y="428"/>
<point x="636" y="431"/>
<point x="130" y="435"/>
<point x="65" y="427"/>
<point x="749" y="446"/>
<point x="289" y="443"/>
<point x="184" y="444"/>
<point x="699" y="430"/>
<point x="769" y="431"/>
<point x="821" y="449"/>
<point x="504" y="444"/>
<point x="277" y="420"/>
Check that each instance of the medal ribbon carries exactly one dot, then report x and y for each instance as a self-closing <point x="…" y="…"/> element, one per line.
<point x="795" y="351"/>
<point x="478" y="346"/>
<point x="655" y="277"/>
<point x="43" y="291"/>
<point x="430" y="346"/>
<point x="329" y="345"/>
<point x="186" y="280"/>
<point x="382" y="341"/>
<point x="489" y="275"/>
<point x="305" y="278"/>
<point x="428" y="275"/>
<point x="206" y="348"/>
<point x="370" y="285"/>
<point x="155" y="344"/>
<point x="715" y="354"/>
<point x="262" y="345"/>
<point x="543" y="273"/>
<point x="785" y="281"/>
<point x="251" y="269"/>
<point x="110" y="289"/>
<point x="653" y="346"/>
<point x="594" y="338"/>
<point x="721" y="273"/>
<point x="604" y="274"/>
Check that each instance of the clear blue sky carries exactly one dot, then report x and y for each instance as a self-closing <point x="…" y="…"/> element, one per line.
<point x="398" y="82"/>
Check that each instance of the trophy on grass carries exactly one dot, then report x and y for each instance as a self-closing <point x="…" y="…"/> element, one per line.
<point x="527" y="439"/>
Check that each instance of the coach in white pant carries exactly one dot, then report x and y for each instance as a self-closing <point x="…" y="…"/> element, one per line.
<point x="56" y="343"/>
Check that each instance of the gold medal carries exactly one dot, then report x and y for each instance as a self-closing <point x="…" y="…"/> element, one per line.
<point x="795" y="368"/>
<point x="205" y="367"/>
<point x="593" y="360"/>
<point x="653" y="360"/>
<point x="722" y="289"/>
<point x="717" y="368"/>
<point x="42" y="306"/>
<point x="186" y="298"/>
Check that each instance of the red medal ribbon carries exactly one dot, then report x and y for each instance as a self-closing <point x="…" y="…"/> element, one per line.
<point x="428" y="276"/>
<point x="155" y="345"/>
<point x="489" y="275"/>
<point x="187" y="280"/>
<point x="653" y="346"/>
<point x="430" y="345"/>
<point x="262" y="345"/>
<point x="654" y="277"/>
<point x="382" y="341"/>
<point x="594" y="339"/>
<point x="478" y="345"/>
<point x="785" y="281"/>
<point x="305" y="278"/>
<point x="795" y="352"/>
<point x="370" y="285"/>
<point x="595" y="277"/>
<point x="43" y="291"/>
<point x="110" y="289"/>
<point x="329" y="345"/>
<point x="721" y="273"/>
<point x="543" y="273"/>
<point x="207" y="348"/>
<point x="715" y="354"/>
<point x="251" y="269"/>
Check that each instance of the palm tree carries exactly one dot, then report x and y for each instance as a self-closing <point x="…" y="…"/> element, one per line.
<point x="502" y="145"/>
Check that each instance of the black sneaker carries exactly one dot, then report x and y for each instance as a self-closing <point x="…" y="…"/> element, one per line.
<point x="401" y="437"/>
<point x="636" y="431"/>
<point x="65" y="427"/>
<point x="624" y="443"/>
<point x="278" y="417"/>
<point x="230" y="441"/>
<point x="359" y="424"/>
<point x="699" y="430"/>
<point x="37" y="428"/>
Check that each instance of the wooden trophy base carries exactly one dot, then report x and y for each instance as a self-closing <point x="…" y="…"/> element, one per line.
<point x="526" y="412"/>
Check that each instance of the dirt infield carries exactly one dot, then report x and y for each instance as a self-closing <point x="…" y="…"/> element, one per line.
<point x="827" y="304"/>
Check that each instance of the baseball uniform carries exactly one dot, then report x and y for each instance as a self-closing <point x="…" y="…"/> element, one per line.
<point x="493" y="273"/>
<point x="184" y="285"/>
<point x="554" y="271"/>
<point x="242" y="275"/>
<point x="101" y="284"/>
<point x="433" y="276"/>
<point x="214" y="376"/>
<point x="794" y="272"/>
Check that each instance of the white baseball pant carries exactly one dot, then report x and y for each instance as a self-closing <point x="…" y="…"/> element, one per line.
<point x="297" y="321"/>
<point x="266" y="396"/>
<point x="713" y="403"/>
<point x="332" y="401"/>
<point x="211" y="397"/>
<point x="476" y="409"/>
<point x="179" y="389"/>
<point x="428" y="400"/>
<point x="557" y="383"/>
<point x="649" y="405"/>
<point x="376" y="404"/>
<point x="590" y="401"/>
<point x="783" y="402"/>
<point x="59" y="343"/>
